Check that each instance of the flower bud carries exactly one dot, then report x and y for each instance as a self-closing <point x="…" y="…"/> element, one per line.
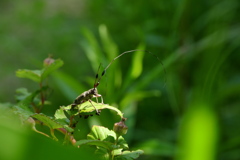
<point x="48" y="61"/>
<point x="120" y="128"/>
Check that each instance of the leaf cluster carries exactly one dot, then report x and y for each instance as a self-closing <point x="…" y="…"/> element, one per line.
<point x="107" y="144"/>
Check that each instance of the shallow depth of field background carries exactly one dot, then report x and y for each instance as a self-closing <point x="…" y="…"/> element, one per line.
<point x="190" y="112"/>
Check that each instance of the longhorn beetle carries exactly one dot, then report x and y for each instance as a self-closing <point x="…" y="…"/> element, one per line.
<point x="88" y="95"/>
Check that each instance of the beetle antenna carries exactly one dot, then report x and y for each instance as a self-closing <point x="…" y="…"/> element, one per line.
<point x="104" y="71"/>
<point x="97" y="78"/>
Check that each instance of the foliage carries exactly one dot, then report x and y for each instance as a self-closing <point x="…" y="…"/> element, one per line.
<point x="193" y="114"/>
<point x="108" y="144"/>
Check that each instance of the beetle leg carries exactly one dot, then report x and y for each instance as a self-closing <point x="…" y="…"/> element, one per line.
<point x="97" y="112"/>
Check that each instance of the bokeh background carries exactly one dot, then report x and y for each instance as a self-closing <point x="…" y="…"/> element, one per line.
<point x="189" y="111"/>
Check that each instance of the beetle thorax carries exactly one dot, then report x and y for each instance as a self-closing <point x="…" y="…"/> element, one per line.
<point x="94" y="91"/>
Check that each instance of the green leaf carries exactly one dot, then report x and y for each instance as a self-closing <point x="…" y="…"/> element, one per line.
<point x="22" y="93"/>
<point x="47" y="120"/>
<point x="50" y="122"/>
<point x="136" y="67"/>
<point x="137" y="62"/>
<point x="23" y="113"/>
<point x="22" y="108"/>
<point x="111" y="50"/>
<point x="26" y="97"/>
<point x="100" y="133"/>
<point x="60" y="116"/>
<point x="39" y="75"/>
<point x="109" y="45"/>
<point x="103" y="153"/>
<point x="103" y="137"/>
<point x="50" y="68"/>
<point x="104" y="144"/>
<point x="117" y="151"/>
<point x="129" y="155"/>
<point x="34" y="75"/>
<point x="122" y="143"/>
<point x="87" y="107"/>
<point x="91" y="47"/>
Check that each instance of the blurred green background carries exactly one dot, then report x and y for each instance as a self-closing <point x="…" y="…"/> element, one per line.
<point x="190" y="112"/>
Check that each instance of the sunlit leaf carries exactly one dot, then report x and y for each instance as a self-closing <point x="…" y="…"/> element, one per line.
<point x="60" y="116"/>
<point x="100" y="133"/>
<point x="199" y="133"/>
<point x="103" y="137"/>
<point x="87" y="107"/>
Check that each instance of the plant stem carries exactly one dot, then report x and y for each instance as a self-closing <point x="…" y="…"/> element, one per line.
<point x="53" y="135"/>
<point x="111" y="155"/>
<point x="68" y="136"/>
<point x="116" y="140"/>
<point x="42" y="97"/>
<point x="71" y="121"/>
<point x="32" y="122"/>
<point x="35" y="109"/>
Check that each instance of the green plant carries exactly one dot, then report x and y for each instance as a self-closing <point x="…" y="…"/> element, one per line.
<point x="198" y="44"/>
<point x="109" y="144"/>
